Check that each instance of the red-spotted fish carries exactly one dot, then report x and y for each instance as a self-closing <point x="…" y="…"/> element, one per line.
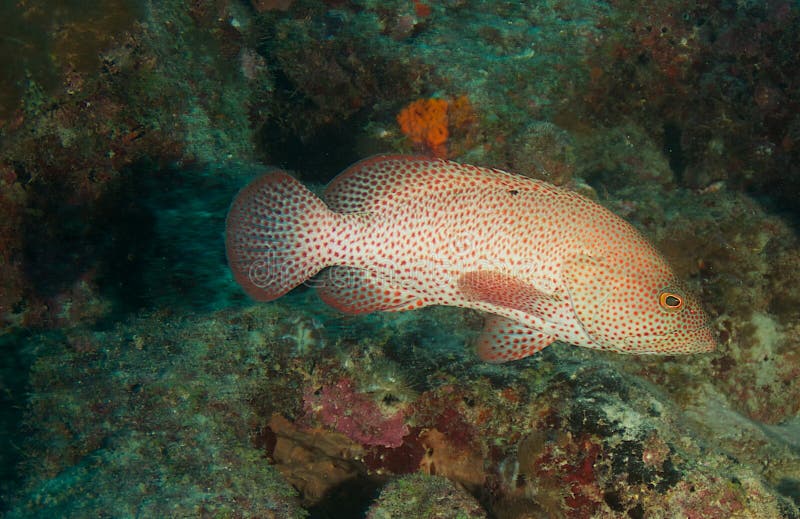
<point x="399" y="233"/>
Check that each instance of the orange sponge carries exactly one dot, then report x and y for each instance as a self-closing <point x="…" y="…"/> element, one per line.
<point x="425" y="122"/>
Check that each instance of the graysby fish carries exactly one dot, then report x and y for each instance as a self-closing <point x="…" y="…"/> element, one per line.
<point x="402" y="232"/>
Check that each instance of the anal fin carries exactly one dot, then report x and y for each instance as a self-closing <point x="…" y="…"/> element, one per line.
<point x="503" y="340"/>
<point x="353" y="290"/>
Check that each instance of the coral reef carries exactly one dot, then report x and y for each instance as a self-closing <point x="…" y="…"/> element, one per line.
<point x="313" y="461"/>
<point x="542" y="150"/>
<point x="140" y="381"/>
<point x="417" y="495"/>
<point x="355" y="415"/>
<point x="142" y="421"/>
<point x="126" y="94"/>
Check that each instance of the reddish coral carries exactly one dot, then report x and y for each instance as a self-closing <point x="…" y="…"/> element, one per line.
<point x="444" y="410"/>
<point x="423" y="10"/>
<point x="404" y="459"/>
<point x="12" y="202"/>
<point x="460" y="113"/>
<point x="271" y="5"/>
<point x="706" y="499"/>
<point x="582" y="481"/>
<point x="563" y="471"/>
<point x="355" y="415"/>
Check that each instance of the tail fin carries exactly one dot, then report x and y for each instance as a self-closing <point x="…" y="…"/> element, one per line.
<point x="273" y="235"/>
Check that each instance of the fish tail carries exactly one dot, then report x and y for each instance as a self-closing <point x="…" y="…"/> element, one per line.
<point x="273" y="235"/>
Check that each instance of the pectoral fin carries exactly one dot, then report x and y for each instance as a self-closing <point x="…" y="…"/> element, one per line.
<point x="505" y="290"/>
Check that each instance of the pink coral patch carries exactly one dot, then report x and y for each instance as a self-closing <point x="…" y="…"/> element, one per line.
<point x="355" y="415"/>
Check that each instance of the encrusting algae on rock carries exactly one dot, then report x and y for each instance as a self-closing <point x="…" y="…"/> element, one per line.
<point x="399" y="233"/>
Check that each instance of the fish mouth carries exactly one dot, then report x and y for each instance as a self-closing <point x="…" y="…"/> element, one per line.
<point x="677" y="342"/>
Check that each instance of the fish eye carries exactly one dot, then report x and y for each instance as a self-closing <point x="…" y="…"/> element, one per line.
<point x="670" y="301"/>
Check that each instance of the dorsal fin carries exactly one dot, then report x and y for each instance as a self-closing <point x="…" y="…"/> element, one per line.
<point x="367" y="182"/>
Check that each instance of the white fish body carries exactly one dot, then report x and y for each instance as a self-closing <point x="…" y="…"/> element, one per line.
<point x="398" y="233"/>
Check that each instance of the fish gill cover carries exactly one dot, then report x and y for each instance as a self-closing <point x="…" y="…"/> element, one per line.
<point x="139" y="380"/>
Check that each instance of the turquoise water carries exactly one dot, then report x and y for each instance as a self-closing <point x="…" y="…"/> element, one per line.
<point x="139" y="380"/>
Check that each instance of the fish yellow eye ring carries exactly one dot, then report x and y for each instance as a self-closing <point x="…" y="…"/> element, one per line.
<point x="670" y="301"/>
